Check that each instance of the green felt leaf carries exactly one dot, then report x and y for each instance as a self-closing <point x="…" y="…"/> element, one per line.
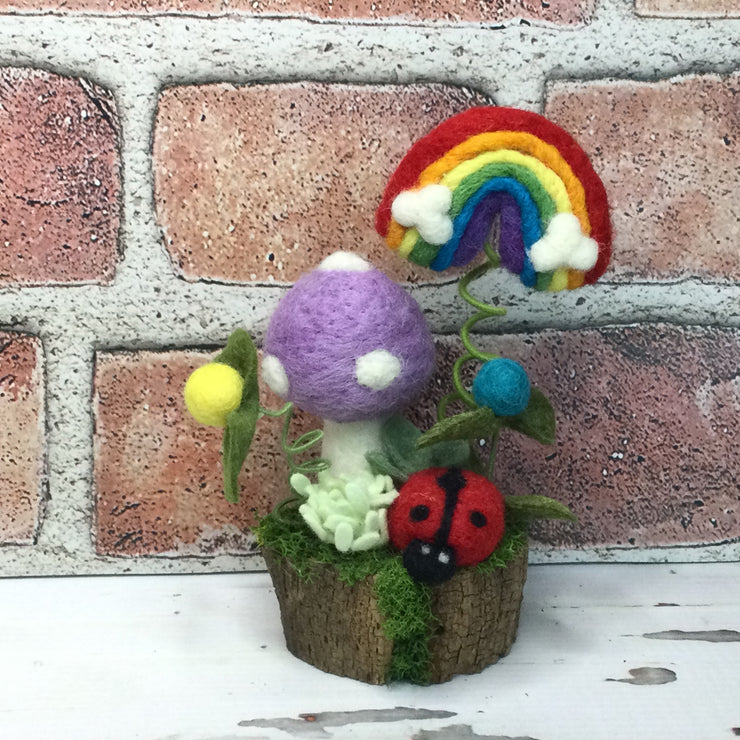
<point x="241" y="354"/>
<point x="398" y="437"/>
<point x="481" y="423"/>
<point x="536" y="421"/>
<point x="238" y="434"/>
<point x="400" y="456"/>
<point x="381" y="465"/>
<point x="452" y="454"/>
<point x="538" y="507"/>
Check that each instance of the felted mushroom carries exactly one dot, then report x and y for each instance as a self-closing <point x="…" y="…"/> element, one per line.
<point x="349" y="345"/>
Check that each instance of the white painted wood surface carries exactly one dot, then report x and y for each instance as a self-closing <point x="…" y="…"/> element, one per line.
<point x="203" y="658"/>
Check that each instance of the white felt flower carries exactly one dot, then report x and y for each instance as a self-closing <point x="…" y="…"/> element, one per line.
<point x="347" y="511"/>
<point x="427" y="210"/>
<point x="564" y="245"/>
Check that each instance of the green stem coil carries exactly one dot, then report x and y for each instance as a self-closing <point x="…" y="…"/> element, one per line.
<point x="472" y="353"/>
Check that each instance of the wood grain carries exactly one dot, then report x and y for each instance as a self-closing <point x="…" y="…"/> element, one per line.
<point x="339" y="628"/>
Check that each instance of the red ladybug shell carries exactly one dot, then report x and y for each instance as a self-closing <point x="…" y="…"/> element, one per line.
<point x="477" y="524"/>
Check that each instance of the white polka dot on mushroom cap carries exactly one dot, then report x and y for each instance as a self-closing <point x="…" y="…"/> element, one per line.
<point x="377" y="369"/>
<point x="346" y="262"/>
<point x="273" y="373"/>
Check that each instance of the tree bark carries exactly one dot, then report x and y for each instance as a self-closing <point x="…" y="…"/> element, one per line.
<point x="478" y="615"/>
<point x="329" y="624"/>
<point x="339" y="629"/>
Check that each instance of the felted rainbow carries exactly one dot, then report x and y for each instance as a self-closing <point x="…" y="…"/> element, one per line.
<point x="441" y="202"/>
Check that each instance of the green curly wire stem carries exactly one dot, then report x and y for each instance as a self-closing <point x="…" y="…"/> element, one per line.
<point x="299" y="446"/>
<point x="472" y="353"/>
<point x="304" y="443"/>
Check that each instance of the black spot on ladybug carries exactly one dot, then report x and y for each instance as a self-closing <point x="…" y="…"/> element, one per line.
<point x="478" y="519"/>
<point x="419" y="513"/>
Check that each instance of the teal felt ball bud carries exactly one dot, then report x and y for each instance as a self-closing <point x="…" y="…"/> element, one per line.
<point x="503" y="386"/>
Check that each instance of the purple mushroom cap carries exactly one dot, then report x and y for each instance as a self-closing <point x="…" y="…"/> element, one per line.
<point x="348" y="344"/>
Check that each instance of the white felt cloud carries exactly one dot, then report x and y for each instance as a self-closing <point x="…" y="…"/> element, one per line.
<point x="564" y="245"/>
<point x="427" y="210"/>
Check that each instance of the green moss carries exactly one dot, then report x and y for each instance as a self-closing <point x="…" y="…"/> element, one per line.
<point x="406" y="606"/>
<point x="285" y="532"/>
<point x="514" y="539"/>
<point x="410" y="661"/>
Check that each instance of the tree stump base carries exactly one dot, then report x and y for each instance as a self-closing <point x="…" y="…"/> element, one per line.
<point x="338" y="628"/>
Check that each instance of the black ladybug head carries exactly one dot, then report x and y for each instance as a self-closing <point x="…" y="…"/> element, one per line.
<point x="428" y="562"/>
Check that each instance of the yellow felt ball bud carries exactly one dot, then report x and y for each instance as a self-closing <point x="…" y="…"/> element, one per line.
<point x="212" y="392"/>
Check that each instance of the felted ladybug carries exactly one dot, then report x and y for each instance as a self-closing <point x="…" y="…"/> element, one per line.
<point x="444" y="518"/>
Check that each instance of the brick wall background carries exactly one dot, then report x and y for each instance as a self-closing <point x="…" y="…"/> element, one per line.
<point x="167" y="168"/>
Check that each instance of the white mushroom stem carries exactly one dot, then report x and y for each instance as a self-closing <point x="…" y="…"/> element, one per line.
<point x="345" y="444"/>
